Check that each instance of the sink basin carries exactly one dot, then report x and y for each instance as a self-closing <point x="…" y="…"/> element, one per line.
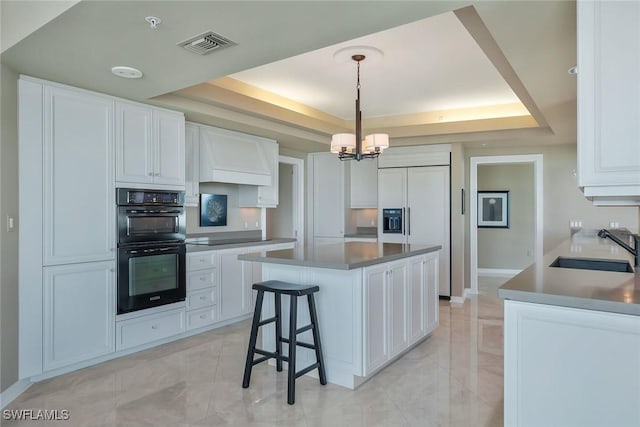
<point x="592" y="264"/>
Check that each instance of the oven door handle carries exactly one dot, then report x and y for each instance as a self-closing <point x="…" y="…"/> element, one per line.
<point x="148" y="251"/>
<point x="135" y="211"/>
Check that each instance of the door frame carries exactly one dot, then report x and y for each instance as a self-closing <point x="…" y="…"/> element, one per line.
<point x="537" y="160"/>
<point x="297" y="199"/>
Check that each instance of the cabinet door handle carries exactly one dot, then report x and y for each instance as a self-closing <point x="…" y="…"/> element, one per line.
<point x="154" y="326"/>
<point x="404" y="220"/>
<point x="408" y="221"/>
<point x="203" y="316"/>
<point x="150" y="173"/>
<point x="203" y="298"/>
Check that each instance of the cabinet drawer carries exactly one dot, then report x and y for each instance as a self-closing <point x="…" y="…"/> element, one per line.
<point x="201" y="261"/>
<point x="202" y="298"/>
<point x="199" y="318"/>
<point x="202" y="279"/>
<point x="142" y="330"/>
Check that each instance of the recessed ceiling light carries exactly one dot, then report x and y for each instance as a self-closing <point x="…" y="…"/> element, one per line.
<point x="126" y="72"/>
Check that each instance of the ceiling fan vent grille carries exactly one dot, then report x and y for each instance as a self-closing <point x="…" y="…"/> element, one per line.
<point x="206" y="43"/>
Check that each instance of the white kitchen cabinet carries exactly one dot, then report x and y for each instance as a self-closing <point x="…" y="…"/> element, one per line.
<point x="79" y="210"/>
<point x="150" y="146"/>
<point x="203" y="289"/>
<point x="376" y="308"/>
<point x="364" y="184"/>
<point x="609" y="101"/>
<point x="392" y="189"/>
<point x="400" y="307"/>
<point x="79" y="312"/>
<point x="146" y="329"/>
<point x="168" y="139"/>
<point x="328" y="195"/>
<point x="570" y="367"/>
<point x="192" y="164"/>
<point x="235" y="284"/>
<point x="398" y="313"/>
<point x="263" y="196"/>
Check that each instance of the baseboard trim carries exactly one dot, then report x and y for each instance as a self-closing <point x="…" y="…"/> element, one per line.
<point x="14" y="390"/>
<point x="467" y="292"/>
<point x="457" y="300"/>
<point x="497" y="272"/>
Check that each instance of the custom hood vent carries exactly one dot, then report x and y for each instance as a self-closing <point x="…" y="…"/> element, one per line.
<point x="206" y="43"/>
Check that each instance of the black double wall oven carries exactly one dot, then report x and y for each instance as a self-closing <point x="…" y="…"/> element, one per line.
<point x="151" y="248"/>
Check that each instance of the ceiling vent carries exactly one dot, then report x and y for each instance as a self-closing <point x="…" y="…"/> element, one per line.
<point x="206" y="43"/>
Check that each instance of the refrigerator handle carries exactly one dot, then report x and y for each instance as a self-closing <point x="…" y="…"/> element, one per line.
<point x="408" y="221"/>
<point x="404" y="221"/>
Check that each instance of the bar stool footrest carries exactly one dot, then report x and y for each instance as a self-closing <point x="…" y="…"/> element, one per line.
<point x="300" y="343"/>
<point x="267" y="321"/>
<point x="270" y="355"/>
<point x="307" y="369"/>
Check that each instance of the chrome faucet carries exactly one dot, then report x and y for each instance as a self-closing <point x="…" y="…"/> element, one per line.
<point x="635" y="251"/>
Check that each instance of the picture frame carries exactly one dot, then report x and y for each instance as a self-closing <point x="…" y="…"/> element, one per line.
<point x="493" y="209"/>
<point x="213" y="210"/>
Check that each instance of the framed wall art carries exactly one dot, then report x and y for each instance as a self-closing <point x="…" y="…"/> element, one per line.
<point x="493" y="209"/>
<point x="213" y="210"/>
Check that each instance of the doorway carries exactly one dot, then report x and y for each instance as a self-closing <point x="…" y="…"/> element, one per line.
<point x="537" y="161"/>
<point x="287" y="220"/>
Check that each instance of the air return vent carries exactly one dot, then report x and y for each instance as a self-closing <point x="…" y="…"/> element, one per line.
<point x="205" y="43"/>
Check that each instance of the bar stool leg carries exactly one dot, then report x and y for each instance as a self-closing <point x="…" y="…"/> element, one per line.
<point x="252" y="340"/>
<point x="293" y="316"/>
<point x="278" y="331"/>
<point x="316" y="338"/>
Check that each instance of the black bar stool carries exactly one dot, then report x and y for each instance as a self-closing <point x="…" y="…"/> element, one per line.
<point x="294" y="291"/>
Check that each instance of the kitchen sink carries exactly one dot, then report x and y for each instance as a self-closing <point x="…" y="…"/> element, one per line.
<point x="592" y="264"/>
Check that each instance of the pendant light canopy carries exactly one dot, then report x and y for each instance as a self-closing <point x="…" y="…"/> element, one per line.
<point x="350" y="146"/>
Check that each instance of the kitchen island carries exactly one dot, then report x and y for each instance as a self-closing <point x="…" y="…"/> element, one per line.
<point x="376" y="301"/>
<point x="572" y="339"/>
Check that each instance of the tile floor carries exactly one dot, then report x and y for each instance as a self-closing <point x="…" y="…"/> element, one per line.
<point x="454" y="378"/>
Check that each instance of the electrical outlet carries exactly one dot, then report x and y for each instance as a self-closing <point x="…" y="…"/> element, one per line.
<point x="246" y="224"/>
<point x="10" y="223"/>
<point x="257" y="224"/>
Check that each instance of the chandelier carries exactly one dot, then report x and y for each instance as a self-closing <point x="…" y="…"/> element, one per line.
<point x="352" y="147"/>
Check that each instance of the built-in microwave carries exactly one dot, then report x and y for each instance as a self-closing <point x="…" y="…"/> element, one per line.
<point x="146" y="216"/>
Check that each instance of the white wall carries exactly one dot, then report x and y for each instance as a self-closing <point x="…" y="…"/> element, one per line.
<point x="509" y="248"/>
<point x="236" y="217"/>
<point x="280" y="219"/>
<point x="8" y="240"/>
<point x="563" y="200"/>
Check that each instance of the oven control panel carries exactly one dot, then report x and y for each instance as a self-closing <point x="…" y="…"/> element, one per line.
<point x="128" y="196"/>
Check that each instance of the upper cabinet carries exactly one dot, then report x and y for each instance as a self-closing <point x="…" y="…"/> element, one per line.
<point x="78" y="171"/>
<point x="192" y="166"/>
<point x="364" y="184"/>
<point x="150" y="146"/>
<point x="609" y="101"/>
<point x="327" y="196"/>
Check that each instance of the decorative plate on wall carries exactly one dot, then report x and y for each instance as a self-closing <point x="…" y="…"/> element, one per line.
<point x="213" y="210"/>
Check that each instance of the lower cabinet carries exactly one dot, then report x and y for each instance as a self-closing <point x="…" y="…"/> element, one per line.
<point x="400" y="307"/>
<point x="570" y="367"/>
<point x="149" y="328"/>
<point x="235" y="285"/>
<point x="79" y="312"/>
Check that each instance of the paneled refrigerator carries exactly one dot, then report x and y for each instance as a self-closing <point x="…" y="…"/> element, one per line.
<point x="414" y="207"/>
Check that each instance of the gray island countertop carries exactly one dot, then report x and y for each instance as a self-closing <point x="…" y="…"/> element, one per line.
<point x="614" y="292"/>
<point x="341" y="256"/>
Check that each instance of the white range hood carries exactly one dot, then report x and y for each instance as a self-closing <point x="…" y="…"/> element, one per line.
<point x="227" y="156"/>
